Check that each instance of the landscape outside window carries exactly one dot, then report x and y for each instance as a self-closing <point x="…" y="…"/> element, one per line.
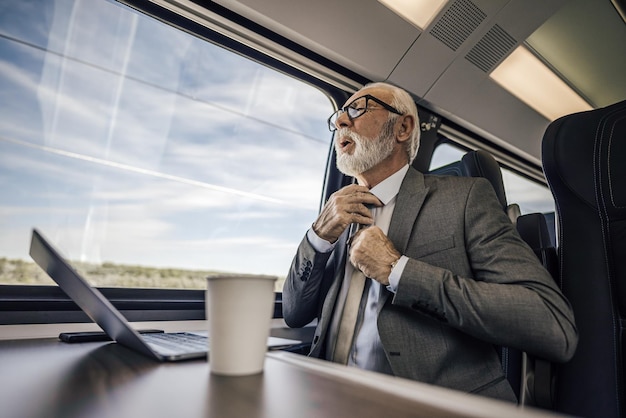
<point x="148" y="156"/>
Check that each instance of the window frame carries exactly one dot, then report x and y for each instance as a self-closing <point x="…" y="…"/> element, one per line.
<point x="42" y="304"/>
<point x="24" y="304"/>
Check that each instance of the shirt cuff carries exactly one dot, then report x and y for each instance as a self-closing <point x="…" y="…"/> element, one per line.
<point x="396" y="273"/>
<point x="319" y="244"/>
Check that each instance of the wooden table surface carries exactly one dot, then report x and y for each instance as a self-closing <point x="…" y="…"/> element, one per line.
<point x="48" y="378"/>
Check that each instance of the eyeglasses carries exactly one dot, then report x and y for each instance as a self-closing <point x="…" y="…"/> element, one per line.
<point x="357" y="108"/>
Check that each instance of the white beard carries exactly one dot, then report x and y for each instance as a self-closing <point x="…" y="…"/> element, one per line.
<point x="367" y="152"/>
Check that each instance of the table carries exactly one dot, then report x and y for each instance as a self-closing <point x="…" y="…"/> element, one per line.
<point x="47" y="378"/>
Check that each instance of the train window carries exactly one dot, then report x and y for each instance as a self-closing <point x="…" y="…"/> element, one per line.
<point x="148" y="155"/>
<point x="530" y="196"/>
<point x="445" y="154"/>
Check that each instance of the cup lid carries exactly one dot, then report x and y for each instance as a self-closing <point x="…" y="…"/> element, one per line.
<point x="231" y="276"/>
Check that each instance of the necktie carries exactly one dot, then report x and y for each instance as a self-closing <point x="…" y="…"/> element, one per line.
<point x="347" y="325"/>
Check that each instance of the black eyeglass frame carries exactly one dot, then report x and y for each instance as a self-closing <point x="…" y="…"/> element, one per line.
<point x="356" y="112"/>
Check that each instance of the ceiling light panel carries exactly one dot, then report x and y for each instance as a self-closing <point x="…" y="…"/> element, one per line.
<point x="418" y="12"/>
<point x="531" y="81"/>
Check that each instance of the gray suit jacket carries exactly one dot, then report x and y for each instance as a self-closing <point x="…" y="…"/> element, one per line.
<point x="470" y="283"/>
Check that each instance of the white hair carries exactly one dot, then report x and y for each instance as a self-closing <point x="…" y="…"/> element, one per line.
<point x="405" y="104"/>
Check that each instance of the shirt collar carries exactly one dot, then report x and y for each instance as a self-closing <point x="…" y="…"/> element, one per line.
<point x="387" y="189"/>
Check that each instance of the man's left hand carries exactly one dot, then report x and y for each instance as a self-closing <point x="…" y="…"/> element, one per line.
<point x="373" y="253"/>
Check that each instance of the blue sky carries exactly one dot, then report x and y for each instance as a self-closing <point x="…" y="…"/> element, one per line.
<point x="135" y="143"/>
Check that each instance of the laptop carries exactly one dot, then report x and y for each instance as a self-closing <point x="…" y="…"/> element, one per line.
<point x="161" y="346"/>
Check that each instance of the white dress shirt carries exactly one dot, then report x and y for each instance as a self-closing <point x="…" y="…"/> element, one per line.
<point x="367" y="351"/>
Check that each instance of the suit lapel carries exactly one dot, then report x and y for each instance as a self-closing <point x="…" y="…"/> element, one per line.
<point x="410" y="199"/>
<point x="408" y="204"/>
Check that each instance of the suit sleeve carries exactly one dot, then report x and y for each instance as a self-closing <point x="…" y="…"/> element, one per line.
<point x="510" y="300"/>
<point x="303" y="290"/>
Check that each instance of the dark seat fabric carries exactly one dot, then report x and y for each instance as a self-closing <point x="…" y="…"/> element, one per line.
<point x="480" y="163"/>
<point x="533" y="228"/>
<point x="477" y="163"/>
<point x="540" y="374"/>
<point x="584" y="159"/>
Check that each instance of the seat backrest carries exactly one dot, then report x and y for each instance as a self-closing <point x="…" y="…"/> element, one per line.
<point x="477" y="163"/>
<point x="533" y="228"/>
<point x="540" y="374"/>
<point x="480" y="163"/>
<point x="584" y="159"/>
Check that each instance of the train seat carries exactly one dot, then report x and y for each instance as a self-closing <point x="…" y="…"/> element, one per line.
<point x="539" y="374"/>
<point x="479" y="163"/>
<point x="584" y="157"/>
<point x="533" y="228"/>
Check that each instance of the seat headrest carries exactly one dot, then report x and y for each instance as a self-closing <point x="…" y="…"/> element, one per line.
<point x="533" y="228"/>
<point x="480" y="163"/>
<point x="593" y="144"/>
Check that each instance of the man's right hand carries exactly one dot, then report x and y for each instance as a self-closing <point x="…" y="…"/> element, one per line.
<point x="345" y="206"/>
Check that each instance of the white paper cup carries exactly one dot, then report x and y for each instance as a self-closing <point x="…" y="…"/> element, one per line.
<point x="239" y="309"/>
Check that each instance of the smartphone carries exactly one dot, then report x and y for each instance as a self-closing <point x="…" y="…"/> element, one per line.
<point x="90" y="336"/>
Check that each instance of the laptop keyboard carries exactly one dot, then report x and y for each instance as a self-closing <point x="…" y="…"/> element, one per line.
<point x="176" y="342"/>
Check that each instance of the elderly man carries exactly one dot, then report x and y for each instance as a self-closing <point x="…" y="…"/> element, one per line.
<point x="436" y="274"/>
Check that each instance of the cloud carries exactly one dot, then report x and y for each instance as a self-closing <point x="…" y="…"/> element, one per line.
<point x="136" y="143"/>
